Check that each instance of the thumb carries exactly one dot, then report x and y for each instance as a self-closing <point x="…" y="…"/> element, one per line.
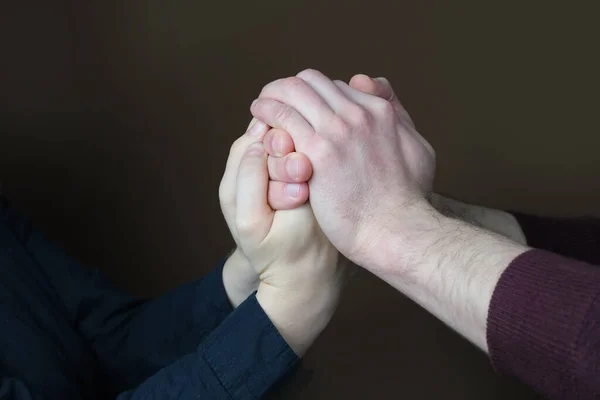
<point x="380" y="87"/>
<point x="254" y="216"/>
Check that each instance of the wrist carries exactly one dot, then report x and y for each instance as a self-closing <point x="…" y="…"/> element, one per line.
<point x="405" y="238"/>
<point x="299" y="315"/>
<point x="239" y="278"/>
<point x="450" y="268"/>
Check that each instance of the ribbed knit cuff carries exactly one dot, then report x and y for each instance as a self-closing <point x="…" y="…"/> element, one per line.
<point x="537" y="313"/>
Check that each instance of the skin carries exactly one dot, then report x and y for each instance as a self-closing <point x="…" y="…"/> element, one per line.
<point x="376" y="209"/>
<point x="285" y="166"/>
<point x="300" y="274"/>
<point x="285" y="193"/>
<point x="490" y="219"/>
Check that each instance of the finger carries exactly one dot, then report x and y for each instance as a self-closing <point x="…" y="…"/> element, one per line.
<point x="282" y="116"/>
<point x="227" y="189"/>
<point x="354" y="94"/>
<point x="287" y="196"/>
<point x="325" y="87"/>
<point x="254" y="216"/>
<point x="298" y="94"/>
<point x="367" y="101"/>
<point x="278" y="143"/>
<point x="378" y="88"/>
<point x="293" y="168"/>
<point x="381" y="87"/>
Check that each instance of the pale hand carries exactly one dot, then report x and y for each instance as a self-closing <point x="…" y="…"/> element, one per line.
<point x="372" y="168"/>
<point x="239" y="278"/>
<point x="300" y="277"/>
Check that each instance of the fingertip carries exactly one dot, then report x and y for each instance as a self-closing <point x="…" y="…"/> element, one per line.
<point x="361" y="82"/>
<point x="287" y="196"/>
<point x="268" y="143"/>
<point x="361" y="77"/>
<point x="302" y="165"/>
<point x="278" y="143"/>
<point x="255" y="107"/>
<point x="383" y="80"/>
<point x="379" y="87"/>
<point x="301" y="194"/>
<point x="384" y="88"/>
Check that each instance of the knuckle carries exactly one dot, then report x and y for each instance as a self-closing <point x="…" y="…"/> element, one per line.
<point x="383" y="107"/>
<point x="293" y="83"/>
<point x="283" y="113"/>
<point x="324" y="154"/>
<point x="340" y="128"/>
<point x="308" y="73"/>
<point x="428" y="147"/>
<point x="360" y="115"/>
<point x="385" y="81"/>
<point x="237" y="145"/>
<point x="261" y="105"/>
<point x="225" y="198"/>
<point x="432" y="152"/>
<point x="270" y="86"/>
<point x="246" y="227"/>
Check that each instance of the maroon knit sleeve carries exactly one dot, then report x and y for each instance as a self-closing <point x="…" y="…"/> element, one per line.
<point x="544" y="325"/>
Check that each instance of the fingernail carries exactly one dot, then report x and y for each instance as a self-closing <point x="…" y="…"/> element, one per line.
<point x="255" y="148"/>
<point x="256" y="128"/>
<point x="292" y="189"/>
<point x="293" y="168"/>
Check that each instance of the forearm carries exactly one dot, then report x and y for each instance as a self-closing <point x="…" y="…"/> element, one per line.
<point x="577" y="238"/>
<point x="493" y="220"/>
<point x="449" y="267"/>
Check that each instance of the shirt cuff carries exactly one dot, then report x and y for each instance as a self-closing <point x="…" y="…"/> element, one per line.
<point x="247" y="353"/>
<point x="536" y="316"/>
<point x="214" y="281"/>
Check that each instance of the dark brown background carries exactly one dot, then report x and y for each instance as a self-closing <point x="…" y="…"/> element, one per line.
<point x="116" y="118"/>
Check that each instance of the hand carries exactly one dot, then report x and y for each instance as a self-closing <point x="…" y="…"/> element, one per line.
<point x="493" y="220"/>
<point x="373" y="170"/>
<point x="418" y="240"/>
<point x="280" y="144"/>
<point x="239" y="278"/>
<point x="300" y="278"/>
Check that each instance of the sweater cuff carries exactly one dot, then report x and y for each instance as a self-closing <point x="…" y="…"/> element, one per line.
<point x="537" y="313"/>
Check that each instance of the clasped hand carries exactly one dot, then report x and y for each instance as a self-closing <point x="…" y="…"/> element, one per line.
<point x="366" y="154"/>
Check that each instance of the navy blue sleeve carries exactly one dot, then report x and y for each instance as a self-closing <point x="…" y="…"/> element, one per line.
<point x="133" y="339"/>
<point x="15" y="389"/>
<point x="241" y="359"/>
